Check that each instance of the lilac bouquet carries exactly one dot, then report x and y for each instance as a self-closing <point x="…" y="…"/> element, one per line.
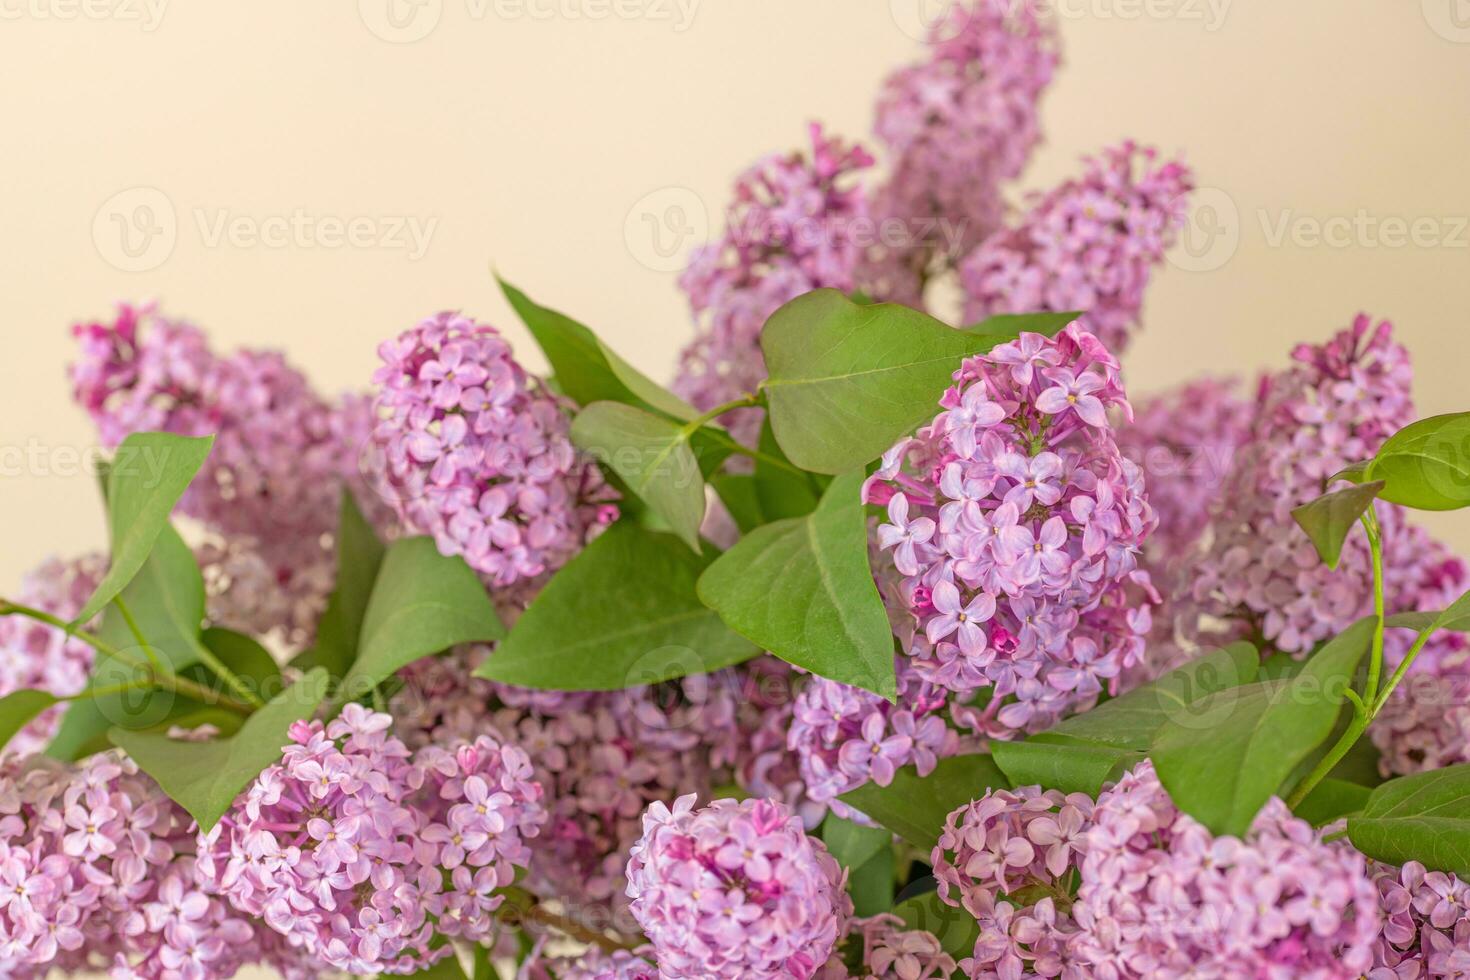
<point x="873" y="646"/>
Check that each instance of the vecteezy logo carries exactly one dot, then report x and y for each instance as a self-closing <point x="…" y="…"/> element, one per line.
<point x="401" y="21"/>
<point x="663" y="225"/>
<point x="942" y="20"/>
<point x="1211" y="232"/>
<point x="1450" y="19"/>
<point x="135" y="230"/>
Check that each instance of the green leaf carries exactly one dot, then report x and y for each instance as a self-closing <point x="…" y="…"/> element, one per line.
<point x="1332" y="799"/>
<point x="359" y="557"/>
<point x="848" y="381"/>
<point x="247" y="659"/>
<point x="1132" y="720"/>
<point x="955" y="928"/>
<point x="166" y="600"/>
<point x="623" y="613"/>
<point x="206" y="777"/>
<point x="1082" y="753"/>
<point x="1424" y="817"/>
<point x="1059" y="763"/>
<point x="1232" y="751"/>
<point x="802" y="589"/>
<point x="852" y="844"/>
<point x="422" y="603"/>
<point x="448" y="968"/>
<point x="781" y="493"/>
<point x="1330" y="518"/>
<point x="1426" y="464"/>
<point x="915" y="807"/>
<point x="1456" y="617"/>
<point x="737" y="493"/>
<point x="149" y="473"/>
<point x="586" y="370"/>
<point x="871" y="884"/>
<point x="19" y="708"/>
<point x="1005" y="327"/>
<point x="652" y="456"/>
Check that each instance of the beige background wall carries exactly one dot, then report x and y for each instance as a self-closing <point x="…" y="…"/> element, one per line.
<point x="529" y="133"/>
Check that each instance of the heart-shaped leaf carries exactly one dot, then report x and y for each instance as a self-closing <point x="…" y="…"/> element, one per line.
<point x="206" y="777"/>
<point x="623" y="613"/>
<point x="1232" y="751"/>
<point x="1423" y="817"/>
<point x="422" y="603"/>
<point x="1426" y="464"/>
<point x="149" y="473"/>
<point x="802" y="588"/>
<point x="847" y="381"/>
<point x="652" y="456"/>
<point x="359" y="557"/>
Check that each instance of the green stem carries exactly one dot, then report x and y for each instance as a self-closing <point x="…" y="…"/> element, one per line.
<point x="744" y="401"/>
<point x="137" y="632"/>
<point x="155" y="678"/>
<point x="1403" y="668"/>
<point x="1349" y="738"/>
<point x="1375" y="662"/>
<point x="724" y="439"/>
<point x="242" y="690"/>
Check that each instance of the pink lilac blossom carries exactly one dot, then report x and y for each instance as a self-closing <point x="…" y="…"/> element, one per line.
<point x="595" y="964"/>
<point x="603" y="758"/>
<point x="1161" y="896"/>
<point x="957" y="126"/>
<point x="34" y="655"/>
<point x="1426" y="928"/>
<point x="478" y="454"/>
<point x="735" y="890"/>
<point x="281" y="455"/>
<point x="793" y="227"/>
<point x="883" y="948"/>
<point x="1011" y="860"/>
<point x="1258" y="572"/>
<point x="97" y="871"/>
<point x="358" y="850"/>
<point x="1016" y="524"/>
<point x="1185" y="440"/>
<point x="1089" y="245"/>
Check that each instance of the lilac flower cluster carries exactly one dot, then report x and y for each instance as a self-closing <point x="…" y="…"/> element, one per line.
<point x="34" y="655"/>
<point x="793" y="227"/>
<point x="1333" y="408"/>
<point x="97" y="870"/>
<point x="1017" y="523"/>
<point x="1426" y="722"/>
<point x="271" y="485"/>
<point x="957" y="126"/>
<point x="880" y="948"/>
<point x="602" y="758"/>
<point x="1426" y="930"/>
<point x="735" y="890"/>
<point x="358" y="850"/>
<point x="1161" y="896"/>
<point x="478" y="455"/>
<point x="1090" y="244"/>
<point x="844" y="737"/>
<point x="1185" y="439"/>
<point x="593" y="965"/>
<point x="1130" y="887"/>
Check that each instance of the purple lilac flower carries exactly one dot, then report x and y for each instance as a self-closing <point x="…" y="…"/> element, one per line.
<point x="1426" y="927"/>
<point x="478" y="455"/>
<point x="956" y="126"/>
<point x="603" y="758"/>
<point x="1425" y="723"/>
<point x="281" y="456"/>
<point x="790" y="229"/>
<point x="34" y="655"/>
<point x="1016" y="524"/>
<point x="1088" y="245"/>
<point x="1161" y="896"/>
<point x="358" y="850"/>
<point x="595" y="964"/>
<point x="97" y="871"/>
<point x="1185" y="440"/>
<point x="1259" y="574"/>
<point x="735" y="890"/>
